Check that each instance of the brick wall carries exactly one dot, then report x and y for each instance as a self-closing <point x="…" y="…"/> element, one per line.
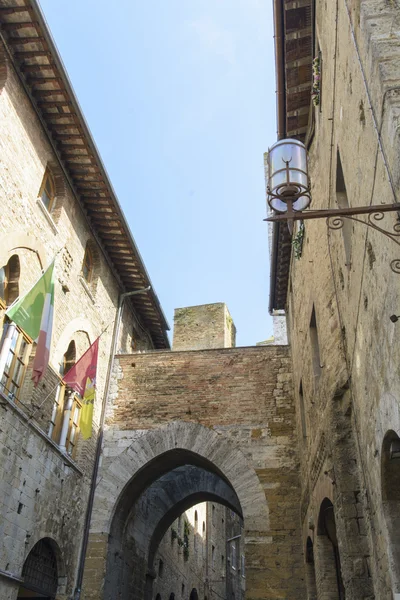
<point x="245" y="396"/>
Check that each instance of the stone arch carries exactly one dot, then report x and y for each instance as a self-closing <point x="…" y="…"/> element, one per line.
<point x="91" y="246"/>
<point x="43" y="570"/>
<point x="328" y="568"/>
<point x="60" y="186"/>
<point x="390" y="490"/>
<point x="77" y="325"/>
<point x="176" y="451"/>
<point x="11" y="242"/>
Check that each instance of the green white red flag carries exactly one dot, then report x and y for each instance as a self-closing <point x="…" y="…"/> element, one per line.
<point x="34" y="314"/>
<point x="82" y="378"/>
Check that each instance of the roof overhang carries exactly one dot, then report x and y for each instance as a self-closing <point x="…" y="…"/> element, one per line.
<point x="35" y="57"/>
<point x="293" y="25"/>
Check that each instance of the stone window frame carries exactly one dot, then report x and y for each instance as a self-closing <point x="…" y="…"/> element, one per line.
<point x="89" y="282"/>
<point x="17" y="359"/>
<point x="56" y="420"/>
<point x="54" y="172"/>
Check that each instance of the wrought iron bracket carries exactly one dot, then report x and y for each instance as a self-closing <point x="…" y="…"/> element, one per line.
<point x="335" y="220"/>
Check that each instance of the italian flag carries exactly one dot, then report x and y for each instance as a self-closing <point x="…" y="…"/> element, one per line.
<point x="34" y="314"/>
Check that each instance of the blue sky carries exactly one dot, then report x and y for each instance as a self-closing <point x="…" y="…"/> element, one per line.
<point x="180" y="98"/>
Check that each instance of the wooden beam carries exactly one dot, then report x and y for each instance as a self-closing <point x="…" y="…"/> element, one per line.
<point x="31" y="54"/>
<point x="15" y="26"/>
<point x="76" y="159"/>
<point x="25" y="40"/>
<point x="63" y="126"/>
<point x="54" y="103"/>
<point x="10" y="10"/>
<point x="37" y="67"/>
<point x="67" y="136"/>
<point x="75" y="147"/>
<point x="46" y="93"/>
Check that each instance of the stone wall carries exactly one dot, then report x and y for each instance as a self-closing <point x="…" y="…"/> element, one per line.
<point x="345" y="356"/>
<point x="210" y="404"/>
<point x="43" y="492"/>
<point x="204" y="326"/>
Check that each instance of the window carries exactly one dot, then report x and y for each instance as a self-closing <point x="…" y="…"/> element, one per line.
<point x="343" y="202"/>
<point x="243" y="566"/>
<point x="233" y="556"/>
<point x="87" y="265"/>
<point x="60" y="407"/>
<point x="302" y="411"/>
<point x="16" y="362"/>
<point x="47" y="192"/>
<point x="196" y="521"/>
<point x="9" y="280"/>
<point x="213" y="556"/>
<point x="315" y="345"/>
<point x="213" y="515"/>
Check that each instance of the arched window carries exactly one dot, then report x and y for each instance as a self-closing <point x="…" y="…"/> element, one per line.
<point x="196" y="521"/>
<point x="47" y="191"/>
<point x="87" y="265"/>
<point x="40" y="572"/>
<point x="61" y="405"/>
<point x="390" y="485"/>
<point x="9" y="280"/>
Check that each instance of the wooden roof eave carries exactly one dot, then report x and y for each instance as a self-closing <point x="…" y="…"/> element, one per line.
<point x="85" y="183"/>
<point x="286" y="96"/>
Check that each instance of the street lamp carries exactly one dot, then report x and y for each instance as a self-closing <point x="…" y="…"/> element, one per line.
<point x="289" y="195"/>
<point x="288" y="186"/>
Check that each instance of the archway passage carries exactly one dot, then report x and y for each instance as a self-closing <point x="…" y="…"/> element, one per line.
<point x="149" y="505"/>
<point x="40" y="572"/>
<point x="149" y="477"/>
<point x="194" y="595"/>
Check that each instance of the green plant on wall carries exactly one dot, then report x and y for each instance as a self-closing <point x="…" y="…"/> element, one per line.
<point x="316" y="86"/>
<point x="297" y="241"/>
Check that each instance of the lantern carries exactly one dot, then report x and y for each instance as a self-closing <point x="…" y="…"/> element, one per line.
<point x="288" y="185"/>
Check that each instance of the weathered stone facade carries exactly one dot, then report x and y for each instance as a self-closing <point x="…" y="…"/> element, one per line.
<point x="341" y="294"/>
<point x="44" y="487"/>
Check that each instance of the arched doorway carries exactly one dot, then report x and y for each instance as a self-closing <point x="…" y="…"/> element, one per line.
<point x="329" y="574"/>
<point x="310" y="571"/>
<point x="181" y="471"/>
<point x="194" y="595"/>
<point x="390" y="487"/>
<point x="40" y="572"/>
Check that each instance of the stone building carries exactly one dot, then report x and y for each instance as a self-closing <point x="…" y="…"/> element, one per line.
<point x="209" y="425"/>
<point x="56" y="203"/>
<point x="339" y="294"/>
